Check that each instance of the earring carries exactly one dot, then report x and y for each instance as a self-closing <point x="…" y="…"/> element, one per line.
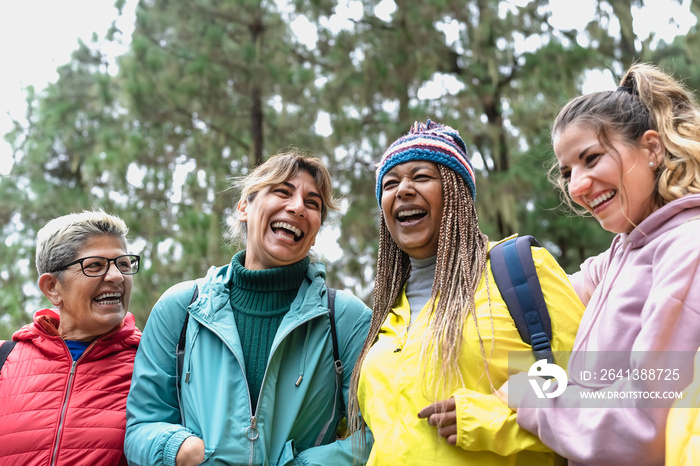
<point x="651" y="164"/>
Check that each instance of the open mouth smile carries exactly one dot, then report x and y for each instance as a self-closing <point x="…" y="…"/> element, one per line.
<point x="286" y="230"/>
<point x="109" y="298"/>
<point x="410" y="215"/>
<point x="601" y="199"/>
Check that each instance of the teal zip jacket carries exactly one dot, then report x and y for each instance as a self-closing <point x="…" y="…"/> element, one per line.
<point x="298" y="411"/>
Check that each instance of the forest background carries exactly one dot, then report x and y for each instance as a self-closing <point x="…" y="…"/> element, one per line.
<point x="208" y="89"/>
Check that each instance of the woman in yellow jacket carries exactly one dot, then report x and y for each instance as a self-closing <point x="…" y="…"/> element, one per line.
<point x="683" y="425"/>
<point x="429" y="366"/>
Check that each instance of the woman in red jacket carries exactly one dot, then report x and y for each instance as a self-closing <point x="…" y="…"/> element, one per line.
<point x="63" y="386"/>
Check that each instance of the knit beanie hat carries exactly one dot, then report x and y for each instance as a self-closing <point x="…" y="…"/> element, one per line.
<point x="432" y="142"/>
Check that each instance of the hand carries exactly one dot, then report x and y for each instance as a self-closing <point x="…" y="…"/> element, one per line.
<point x="502" y="395"/>
<point x="442" y="415"/>
<point x="191" y="452"/>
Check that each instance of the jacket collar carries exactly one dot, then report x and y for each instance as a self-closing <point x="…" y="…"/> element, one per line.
<point x="43" y="332"/>
<point x="215" y="291"/>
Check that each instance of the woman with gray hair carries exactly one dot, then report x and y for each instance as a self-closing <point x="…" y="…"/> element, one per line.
<point x="63" y="385"/>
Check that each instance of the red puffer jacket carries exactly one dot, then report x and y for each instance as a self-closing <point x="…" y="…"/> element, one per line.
<point x="54" y="411"/>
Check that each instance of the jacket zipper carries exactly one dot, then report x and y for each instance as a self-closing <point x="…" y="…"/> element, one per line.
<point x="63" y="413"/>
<point x="68" y="391"/>
<point x="251" y="432"/>
<point x="254" y="418"/>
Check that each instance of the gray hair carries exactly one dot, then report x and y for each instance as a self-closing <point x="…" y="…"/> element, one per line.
<point x="62" y="238"/>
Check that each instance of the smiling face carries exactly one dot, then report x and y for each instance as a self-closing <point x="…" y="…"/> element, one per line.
<point x="282" y="221"/>
<point x="89" y="306"/>
<point x="412" y="205"/>
<point x="617" y="184"/>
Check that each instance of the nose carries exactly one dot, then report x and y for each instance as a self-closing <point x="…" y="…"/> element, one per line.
<point x="296" y="206"/>
<point x="404" y="188"/>
<point x="113" y="274"/>
<point x="579" y="183"/>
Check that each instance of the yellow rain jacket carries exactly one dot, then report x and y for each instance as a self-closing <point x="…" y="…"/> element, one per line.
<point x="392" y="390"/>
<point x="683" y="425"/>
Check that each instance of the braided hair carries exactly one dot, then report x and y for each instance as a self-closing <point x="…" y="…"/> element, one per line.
<point x="460" y="264"/>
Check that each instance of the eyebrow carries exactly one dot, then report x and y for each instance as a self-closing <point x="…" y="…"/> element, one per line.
<point x="581" y="155"/>
<point x="311" y="193"/>
<point x="585" y="151"/>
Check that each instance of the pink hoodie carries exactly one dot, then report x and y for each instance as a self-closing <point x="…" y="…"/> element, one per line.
<point x="641" y="295"/>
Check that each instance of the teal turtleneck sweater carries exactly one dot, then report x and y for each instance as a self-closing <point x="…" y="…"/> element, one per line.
<point x="260" y="299"/>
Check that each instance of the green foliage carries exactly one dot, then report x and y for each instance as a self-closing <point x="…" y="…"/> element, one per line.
<point x="209" y="89"/>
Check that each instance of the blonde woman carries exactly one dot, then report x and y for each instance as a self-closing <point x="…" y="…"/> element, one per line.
<point x="258" y="384"/>
<point x="630" y="157"/>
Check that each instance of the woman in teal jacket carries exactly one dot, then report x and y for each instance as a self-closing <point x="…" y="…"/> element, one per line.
<point x="258" y="380"/>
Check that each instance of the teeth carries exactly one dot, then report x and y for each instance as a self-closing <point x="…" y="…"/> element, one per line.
<point x="602" y="198"/>
<point x="408" y="213"/>
<point x="104" y="298"/>
<point x="287" y="226"/>
<point x="109" y="295"/>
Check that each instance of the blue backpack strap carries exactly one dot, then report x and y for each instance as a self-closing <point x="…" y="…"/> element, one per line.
<point x="337" y="365"/>
<point x="5" y="349"/>
<point x="180" y="349"/>
<point x="516" y="278"/>
<point x="180" y="353"/>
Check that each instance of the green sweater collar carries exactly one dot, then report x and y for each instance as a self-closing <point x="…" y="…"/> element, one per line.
<point x="277" y="279"/>
<point x="265" y="292"/>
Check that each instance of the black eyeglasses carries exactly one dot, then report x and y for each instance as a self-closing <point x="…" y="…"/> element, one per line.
<point x="96" y="266"/>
